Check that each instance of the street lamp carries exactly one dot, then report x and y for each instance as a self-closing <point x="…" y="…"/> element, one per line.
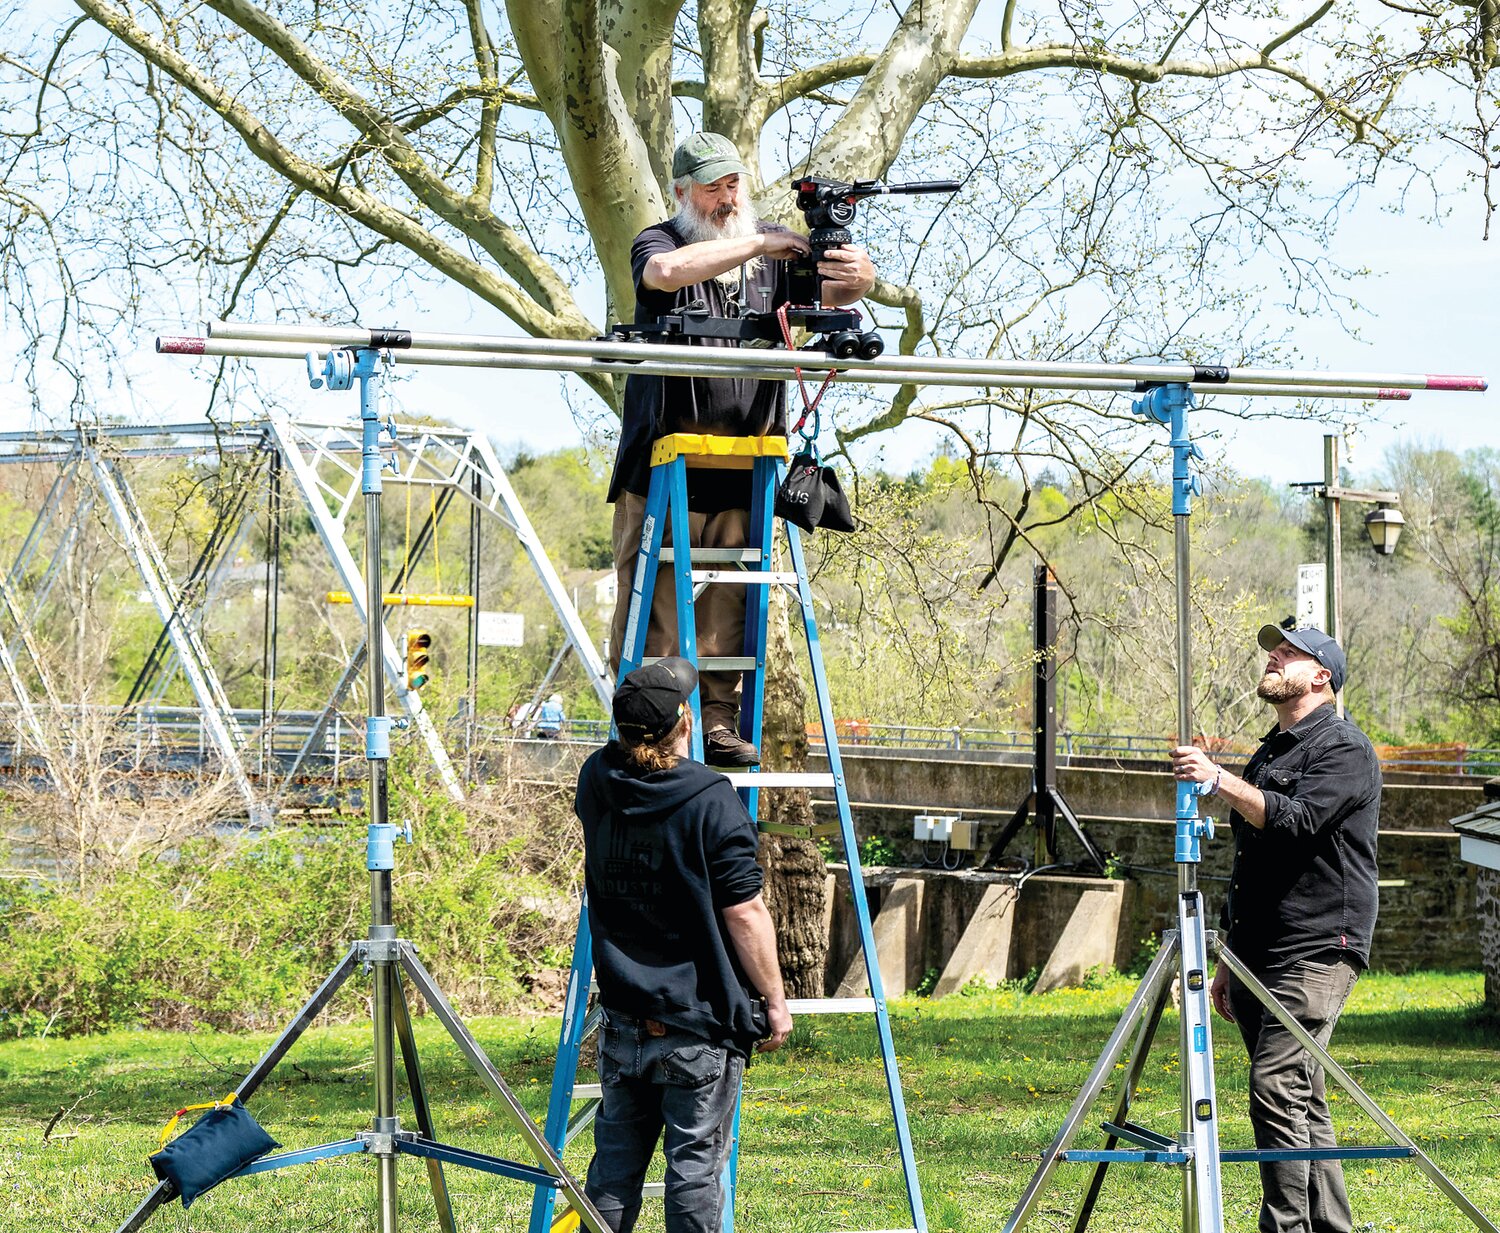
<point x="1383" y="526"/>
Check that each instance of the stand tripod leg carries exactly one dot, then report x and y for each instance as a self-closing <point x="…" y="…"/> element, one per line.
<point x="1146" y="994"/>
<point x="1133" y="1068"/>
<point x="1203" y="1191"/>
<point x="541" y="1149"/>
<point x="1346" y="1081"/>
<point x="421" y="1111"/>
<point x="1079" y="833"/>
<point x="164" y="1191"/>
<point x="1011" y="830"/>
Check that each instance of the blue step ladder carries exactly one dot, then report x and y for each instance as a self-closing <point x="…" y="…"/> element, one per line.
<point x="574" y="1105"/>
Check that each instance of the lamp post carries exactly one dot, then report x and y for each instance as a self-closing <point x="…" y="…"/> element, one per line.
<point x="1382" y="524"/>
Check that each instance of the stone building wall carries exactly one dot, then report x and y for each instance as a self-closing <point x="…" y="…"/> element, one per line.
<point x="1488" y="912"/>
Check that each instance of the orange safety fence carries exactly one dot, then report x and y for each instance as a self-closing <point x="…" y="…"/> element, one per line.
<point x="848" y="731"/>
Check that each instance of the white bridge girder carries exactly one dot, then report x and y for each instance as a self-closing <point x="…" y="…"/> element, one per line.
<point x="321" y="457"/>
<point x="197" y="666"/>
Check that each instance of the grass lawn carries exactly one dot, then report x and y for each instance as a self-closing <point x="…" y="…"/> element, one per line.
<point x="988" y="1080"/>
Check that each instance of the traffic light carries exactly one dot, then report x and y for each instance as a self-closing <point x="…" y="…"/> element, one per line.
<point x="418" y="648"/>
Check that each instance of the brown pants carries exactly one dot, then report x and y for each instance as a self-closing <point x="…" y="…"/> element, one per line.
<point x="720" y="610"/>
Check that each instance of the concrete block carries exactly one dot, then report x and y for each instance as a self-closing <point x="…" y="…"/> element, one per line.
<point x="983" y="949"/>
<point x="1088" y="940"/>
<point x="898" y="943"/>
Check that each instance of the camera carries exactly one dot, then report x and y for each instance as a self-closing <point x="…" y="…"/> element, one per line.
<point x="829" y="206"/>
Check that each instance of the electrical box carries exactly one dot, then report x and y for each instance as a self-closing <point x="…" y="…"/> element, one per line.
<point x="964" y="836"/>
<point x="933" y="827"/>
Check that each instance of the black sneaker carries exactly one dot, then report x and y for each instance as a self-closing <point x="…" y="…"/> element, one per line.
<point x="725" y="747"/>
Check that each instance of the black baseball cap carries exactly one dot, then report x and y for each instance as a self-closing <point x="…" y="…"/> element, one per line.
<point x="649" y="701"/>
<point x="1313" y="642"/>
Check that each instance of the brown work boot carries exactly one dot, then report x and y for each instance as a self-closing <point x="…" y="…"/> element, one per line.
<point x="725" y="747"/>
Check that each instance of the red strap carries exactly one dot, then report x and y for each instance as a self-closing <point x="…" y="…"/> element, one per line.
<point x="808" y="405"/>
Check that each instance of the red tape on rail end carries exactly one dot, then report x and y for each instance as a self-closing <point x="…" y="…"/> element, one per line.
<point x="180" y="344"/>
<point x="1440" y="381"/>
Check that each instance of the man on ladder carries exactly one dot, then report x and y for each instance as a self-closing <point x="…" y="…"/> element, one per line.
<point x="684" y="953"/>
<point x="717" y="254"/>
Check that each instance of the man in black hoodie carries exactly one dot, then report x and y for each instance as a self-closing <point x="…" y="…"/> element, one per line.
<point x="684" y="953"/>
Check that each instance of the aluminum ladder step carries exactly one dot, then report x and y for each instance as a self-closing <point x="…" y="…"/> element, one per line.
<point x="831" y="1006"/>
<point x="779" y="779"/>
<point x="746" y="577"/>
<point x="715" y="663"/>
<point x="715" y="556"/>
<point x="799" y="830"/>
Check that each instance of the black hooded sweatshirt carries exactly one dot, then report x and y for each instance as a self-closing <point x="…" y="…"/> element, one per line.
<point x="664" y="853"/>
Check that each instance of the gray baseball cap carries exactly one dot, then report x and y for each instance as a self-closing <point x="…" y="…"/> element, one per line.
<point x="1309" y="641"/>
<point x="707" y="157"/>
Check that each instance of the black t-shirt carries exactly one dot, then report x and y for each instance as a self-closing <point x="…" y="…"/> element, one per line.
<point x="720" y="406"/>
<point x="663" y="854"/>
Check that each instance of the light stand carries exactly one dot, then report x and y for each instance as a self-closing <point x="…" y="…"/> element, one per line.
<point x="383" y="953"/>
<point x="1044" y="793"/>
<point x="1195" y="1150"/>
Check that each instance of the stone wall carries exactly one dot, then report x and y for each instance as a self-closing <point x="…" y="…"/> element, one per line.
<point x="1429" y="908"/>
<point x="1432" y="911"/>
<point x="962" y="924"/>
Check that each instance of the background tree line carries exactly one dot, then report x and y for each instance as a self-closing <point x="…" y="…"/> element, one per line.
<point x="917" y="625"/>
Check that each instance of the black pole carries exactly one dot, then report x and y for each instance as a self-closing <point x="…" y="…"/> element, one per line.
<point x="1044" y="711"/>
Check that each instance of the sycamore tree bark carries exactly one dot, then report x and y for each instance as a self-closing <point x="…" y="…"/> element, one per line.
<point x="795" y="872"/>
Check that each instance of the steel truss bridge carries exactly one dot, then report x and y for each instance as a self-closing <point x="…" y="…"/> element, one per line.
<point x="310" y="461"/>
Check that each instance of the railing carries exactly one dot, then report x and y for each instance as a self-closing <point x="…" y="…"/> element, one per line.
<point x="166" y="736"/>
<point x="1456" y="759"/>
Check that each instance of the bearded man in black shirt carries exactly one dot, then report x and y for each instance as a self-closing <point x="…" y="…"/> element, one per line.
<point x="714" y="252"/>
<point x="1300" y="910"/>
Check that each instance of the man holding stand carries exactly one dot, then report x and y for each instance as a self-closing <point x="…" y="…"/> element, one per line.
<point x="715" y="253"/>
<point x="1300" y="910"/>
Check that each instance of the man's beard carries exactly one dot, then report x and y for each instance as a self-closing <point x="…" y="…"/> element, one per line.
<point x="737" y="222"/>
<point x="1277" y="687"/>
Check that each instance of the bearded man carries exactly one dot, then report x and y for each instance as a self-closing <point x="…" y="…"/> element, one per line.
<point x="717" y="254"/>
<point x="1300" y="910"/>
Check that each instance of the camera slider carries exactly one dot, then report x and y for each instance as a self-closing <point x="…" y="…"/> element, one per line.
<point x="837" y="330"/>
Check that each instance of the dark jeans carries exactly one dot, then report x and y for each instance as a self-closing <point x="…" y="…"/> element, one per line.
<point x="676" y="1083"/>
<point x="1287" y="1104"/>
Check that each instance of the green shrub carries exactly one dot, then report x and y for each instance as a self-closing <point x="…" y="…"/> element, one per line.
<point x="234" y="931"/>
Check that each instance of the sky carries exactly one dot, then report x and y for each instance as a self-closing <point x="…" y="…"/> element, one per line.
<point x="1432" y="307"/>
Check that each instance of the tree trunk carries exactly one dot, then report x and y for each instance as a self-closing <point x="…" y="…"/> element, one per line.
<point x="795" y="873"/>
